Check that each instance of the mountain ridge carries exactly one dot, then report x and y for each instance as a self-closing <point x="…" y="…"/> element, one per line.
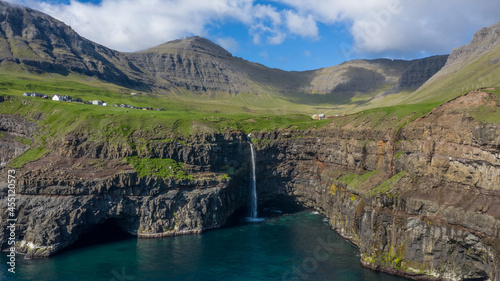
<point x="472" y="66"/>
<point x="35" y="42"/>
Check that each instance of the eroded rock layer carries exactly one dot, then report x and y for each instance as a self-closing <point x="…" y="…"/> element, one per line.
<point x="419" y="200"/>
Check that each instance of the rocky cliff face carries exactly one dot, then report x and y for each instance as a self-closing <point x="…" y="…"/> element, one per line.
<point x="418" y="73"/>
<point x="65" y="194"/>
<point x="482" y="43"/>
<point x="419" y="201"/>
<point x="16" y="136"/>
<point x="485" y="44"/>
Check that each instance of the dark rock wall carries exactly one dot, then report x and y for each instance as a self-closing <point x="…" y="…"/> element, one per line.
<point x="418" y="73"/>
<point x="57" y="203"/>
<point x="421" y="201"/>
<point x="439" y="217"/>
<point x="13" y="130"/>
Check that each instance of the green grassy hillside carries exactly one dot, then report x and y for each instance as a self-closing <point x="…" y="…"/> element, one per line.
<point x="481" y="72"/>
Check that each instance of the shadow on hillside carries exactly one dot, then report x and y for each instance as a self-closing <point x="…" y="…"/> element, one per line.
<point x="322" y="99"/>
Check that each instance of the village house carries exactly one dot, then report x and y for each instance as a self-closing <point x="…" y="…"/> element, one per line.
<point x="57" y="98"/>
<point x="97" y="102"/>
<point x="35" y="95"/>
<point x="318" y="116"/>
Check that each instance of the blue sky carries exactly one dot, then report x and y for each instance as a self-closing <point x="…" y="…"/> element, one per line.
<point x="286" y="34"/>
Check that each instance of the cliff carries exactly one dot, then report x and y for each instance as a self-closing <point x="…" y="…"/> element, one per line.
<point x="82" y="184"/>
<point x="418" y="200"/>
<point x="472" y="66"/>
<point x="418" y="73"/>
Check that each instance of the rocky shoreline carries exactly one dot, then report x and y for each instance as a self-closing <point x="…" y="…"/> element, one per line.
<point x="418" y="201"/>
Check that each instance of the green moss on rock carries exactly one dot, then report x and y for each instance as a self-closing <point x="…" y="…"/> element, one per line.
<point x="161" y="168"/>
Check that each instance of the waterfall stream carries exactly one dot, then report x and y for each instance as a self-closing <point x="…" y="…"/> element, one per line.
<point x="253" y="187"/>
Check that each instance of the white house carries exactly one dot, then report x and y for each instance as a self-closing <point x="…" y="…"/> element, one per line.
<point x="96" y="102"/>
<point x="57" y="98"/>
<point x="104" y="104"/>
<point x="318" y="116"/>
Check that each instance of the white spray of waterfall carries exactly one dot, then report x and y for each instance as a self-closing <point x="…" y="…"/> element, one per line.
<point x="253" y="184"/>
<point x="253" y="187"/>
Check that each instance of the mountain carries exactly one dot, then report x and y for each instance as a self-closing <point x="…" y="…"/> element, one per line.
<point x="483" y="42"/>
<point x="418" y="73"/>
<point x="196" y="64"/>
<point x="35" y="42"/>
<point x="472" y="66"/>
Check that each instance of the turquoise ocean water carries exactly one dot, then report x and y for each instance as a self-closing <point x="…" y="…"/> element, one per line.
<point x="292" y="247"/>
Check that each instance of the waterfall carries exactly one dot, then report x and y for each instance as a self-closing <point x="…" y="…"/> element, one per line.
<point x="253" y="186"/>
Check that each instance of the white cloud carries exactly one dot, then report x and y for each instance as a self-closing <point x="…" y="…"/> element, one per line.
<point x="398" y="27"/>
<point x="267" y="23"/>
<point x="300" y="25"/>
<point x="129" y="25"/>
<point x="404" y="28"/>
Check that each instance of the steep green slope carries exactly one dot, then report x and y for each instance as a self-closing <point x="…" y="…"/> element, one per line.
<point x="473" y="66"/>
<point x="38" y="43"/>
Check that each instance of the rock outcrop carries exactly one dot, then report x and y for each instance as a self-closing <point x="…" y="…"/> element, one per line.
<point x="418" y="73"/>
<point x="419" y="201"/>
<point x="143" y="207"/>
<point x="484" y="44"/>
<point x="66" y="193"/>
